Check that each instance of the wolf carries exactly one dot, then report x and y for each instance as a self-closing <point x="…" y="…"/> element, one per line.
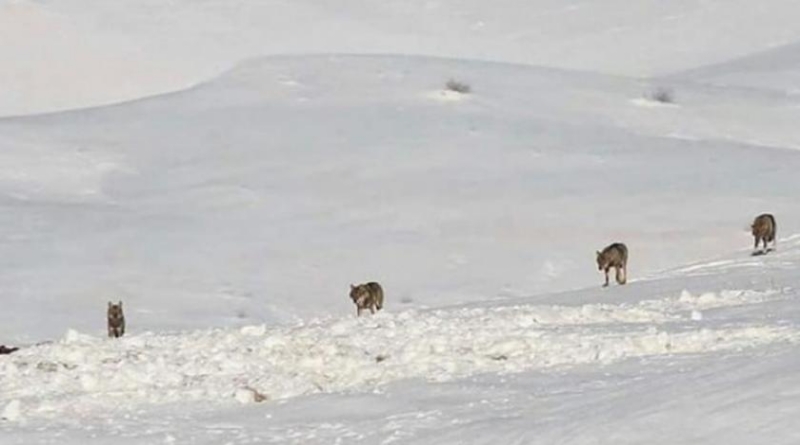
<point x="616" y="256"/>
<point x="116" y="320"/>
<point x="367" y="296"/>
<point x="764" y="230"/>
<point x="7" y="349"/>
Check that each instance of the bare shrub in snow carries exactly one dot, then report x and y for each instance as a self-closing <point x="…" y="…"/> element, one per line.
<point x="663" y="95"/>
<point x="458" y="87"/>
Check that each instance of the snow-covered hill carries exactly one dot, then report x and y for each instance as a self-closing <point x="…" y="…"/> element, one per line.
<point x="76" y="53"/>
<point x="262" y="195"/>
<point x="302" y="147"/>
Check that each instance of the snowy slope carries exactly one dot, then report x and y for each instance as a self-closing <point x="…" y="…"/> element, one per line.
<point x="231" y="218"/>
<point x="645" y="362"/>
<point x="776" y="71"/>
<point x="264" y="194"/>
<point x="77" y="53"/>
<point x="304" y="146"/>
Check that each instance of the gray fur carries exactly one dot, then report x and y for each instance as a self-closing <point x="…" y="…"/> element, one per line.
<point x="116" y="320"/>
<point x="764" y="230"/>
<point x="367" y="296"/>
<point x="616" y="256"/>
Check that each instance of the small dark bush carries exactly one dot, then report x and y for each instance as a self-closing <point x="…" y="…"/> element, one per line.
<point x="663" y="95"/>
<point x="459" y="87"/>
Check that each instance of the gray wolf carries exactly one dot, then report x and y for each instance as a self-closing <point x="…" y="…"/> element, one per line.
<point x="367" y="296"/>
<point x="7" y="349"/>
<point x="116" y="320"/>
<point x="764" y="230"/>
<point x="616" y="256"/>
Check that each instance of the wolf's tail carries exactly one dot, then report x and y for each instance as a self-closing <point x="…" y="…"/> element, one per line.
<point x="774" y="228"/>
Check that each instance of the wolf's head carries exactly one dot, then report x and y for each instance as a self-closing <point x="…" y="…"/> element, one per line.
<point x="758" y="227"/>
<point x="359" y="294"/>
<point x="602" y="260"/>
<point x="115" y="311"/>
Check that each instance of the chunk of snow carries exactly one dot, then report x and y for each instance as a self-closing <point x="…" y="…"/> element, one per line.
<point x="255" y="331"/>
<point x="249" y="395"/>
<point x="72" y="336"/>
<point x="13" y="411"/>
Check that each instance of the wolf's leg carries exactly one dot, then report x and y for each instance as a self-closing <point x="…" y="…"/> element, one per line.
<point x="764" y="240"/>
<point x="619" y="275"/>
<point x="755" y="246"/>
<point x="606" y="272"/>
<point x="358" y="311"/>
<point x="372" y="310"/>
<point x="110" y="332"/>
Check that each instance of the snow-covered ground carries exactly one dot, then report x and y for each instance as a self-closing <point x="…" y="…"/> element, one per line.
<point x="262" y="195"/>
<point x="289" y="160"/>
<point x="644" y="362"/>
<point x="73" y="53"/>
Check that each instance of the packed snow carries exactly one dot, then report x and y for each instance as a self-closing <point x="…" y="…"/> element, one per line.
<point x="345" y="354"/>
<point x="260" y="157"/>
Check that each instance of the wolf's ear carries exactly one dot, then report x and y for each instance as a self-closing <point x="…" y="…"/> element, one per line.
<point x="598" y="252"/>
<point x="352" y="286"/>
<point x="120" y="303"/>
<point x="110" y="304"/>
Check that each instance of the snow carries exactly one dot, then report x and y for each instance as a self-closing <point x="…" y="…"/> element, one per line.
<point x="251" y="160"/>
<point x="74" y="53"/>
<point x="345" y="354"/>
<point x="259" y="219"/>
<point x="12" y="411"/>
<point x="437" y="374"/>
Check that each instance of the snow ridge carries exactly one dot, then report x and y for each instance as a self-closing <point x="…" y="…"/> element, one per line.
<point x="329" y="355"/>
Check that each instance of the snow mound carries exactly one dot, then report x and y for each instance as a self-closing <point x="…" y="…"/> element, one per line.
<point x="652" y="103"/>
<point x="447" y="96"/>
<point x="257" y="363"/>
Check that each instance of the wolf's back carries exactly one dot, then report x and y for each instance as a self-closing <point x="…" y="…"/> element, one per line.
<point x="774" y="229"/>
<point x="376" y="292"/>
<point x="765" y="226"/>
<point x="617" y="251"/>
